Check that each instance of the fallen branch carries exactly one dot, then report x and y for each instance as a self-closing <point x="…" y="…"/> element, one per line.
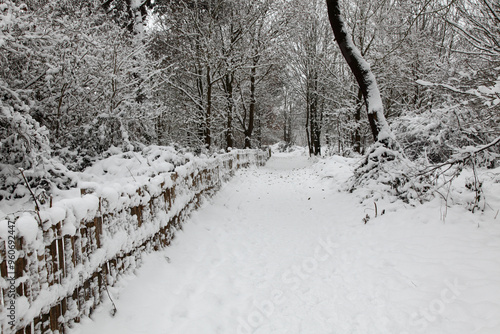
<point x="462" y="158"/>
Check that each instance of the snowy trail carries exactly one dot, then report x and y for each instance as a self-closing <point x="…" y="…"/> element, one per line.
<point x="279" y="250"/>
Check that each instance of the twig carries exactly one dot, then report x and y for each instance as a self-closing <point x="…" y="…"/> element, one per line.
<point x="131" y="173"/>
<point x="35" y="80"/>
<point x="37" y="207"/>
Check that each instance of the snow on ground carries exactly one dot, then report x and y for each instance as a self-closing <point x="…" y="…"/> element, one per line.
<point x="280" y="249"/>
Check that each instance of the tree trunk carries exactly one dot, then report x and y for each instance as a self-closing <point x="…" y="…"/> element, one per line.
<point x="208" y="114"/>
<point x="251" y="116"/>
<point x="285" y="126"/>
<point x="364" y="76"/>
<point x="308" y="119"/>
<point x="200" y="125"/>
<point x="315" y="117"/>
<point x="285" y="120"/>
<point x="230" y="106"/>
<point x="357" y="118"/>
<point x="313" y="125"/>
<point x="258" y="131"/>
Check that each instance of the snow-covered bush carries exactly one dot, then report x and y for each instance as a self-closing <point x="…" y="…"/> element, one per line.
<point x="73" y="83"/>
<point x="22" y="138"/>
<point x="24" y="143"/>
<point x="429" y="136"/>
<point x="98" y="83"/>
<point x="386" y="173"/>
<point x="436" y="135"/>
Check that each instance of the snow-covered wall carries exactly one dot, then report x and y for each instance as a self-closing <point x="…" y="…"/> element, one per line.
<point x="62" y="266"/>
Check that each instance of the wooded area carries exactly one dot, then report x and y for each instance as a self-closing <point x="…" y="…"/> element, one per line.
<point x="117" y="115"/>
<point x="80" y="77"/>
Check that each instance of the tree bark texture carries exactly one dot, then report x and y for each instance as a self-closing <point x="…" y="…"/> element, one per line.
<point x="253" y="102"/>
<point x="362" y="72"/>
<point x="228" y="86"/>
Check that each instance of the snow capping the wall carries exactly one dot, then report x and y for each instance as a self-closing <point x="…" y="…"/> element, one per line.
<point x="117" y="216"/>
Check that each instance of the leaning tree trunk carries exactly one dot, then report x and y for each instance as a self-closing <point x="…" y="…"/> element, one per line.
<point x="364" y="76"/>
<point x="357" y="118"/>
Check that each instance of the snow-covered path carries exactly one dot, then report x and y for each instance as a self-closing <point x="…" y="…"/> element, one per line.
<point x="280" y="250"/>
